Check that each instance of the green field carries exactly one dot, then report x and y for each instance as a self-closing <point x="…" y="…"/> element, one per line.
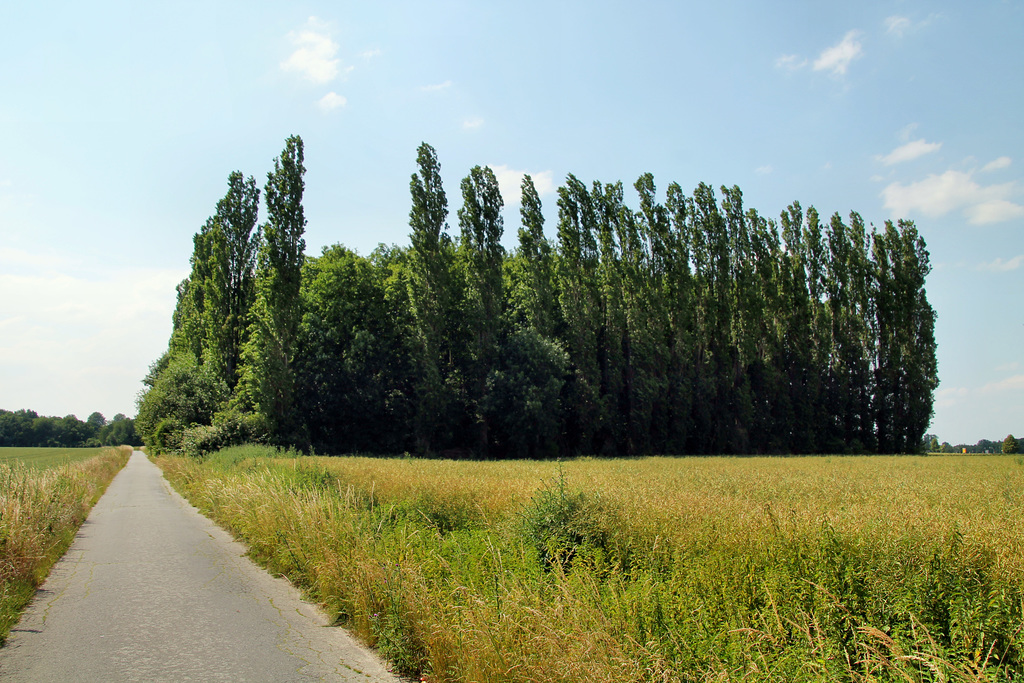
<point x="669" y="569"/>
<point x="43" y="458"/>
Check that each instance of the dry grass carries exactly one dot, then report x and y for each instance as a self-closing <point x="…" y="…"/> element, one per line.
<point x="40" y="511"/>
<point x="846" y="568"/>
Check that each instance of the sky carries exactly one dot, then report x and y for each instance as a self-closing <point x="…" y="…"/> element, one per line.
<point x="121" y="121"/>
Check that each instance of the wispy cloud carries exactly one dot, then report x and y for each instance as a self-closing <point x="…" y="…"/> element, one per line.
<point x="314" y="56"/>
<point x="510" y="181"/>
<point x="764" y="170"/>
<point x="790" y="62"/>
<point x="473" y="123"/>
<point x="952" y="396"/>
<point x="910" y="151"/>
<point x="938" y="195"/>
<point x="907" y="131"/>
<point x="900" y="26"/>
<point x="1001" y="266"/>
<point x="1013" y="383"/>
<point x="995" y="165"/>
<point x="837" y="58"/>
<point x="897" y="25"/>
<point x="437" y="87"/>
<point x="370" y="54"/>
<point x="331" y="101"/>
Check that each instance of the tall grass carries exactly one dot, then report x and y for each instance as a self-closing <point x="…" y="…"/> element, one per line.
<point x="860" y="569"/>
<point x="40" y="511"/>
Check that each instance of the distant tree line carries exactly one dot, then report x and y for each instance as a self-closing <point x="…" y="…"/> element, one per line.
<point x="1008" y="445"/>
<point x="27" y="429"/>
<point x="689" y="324"/>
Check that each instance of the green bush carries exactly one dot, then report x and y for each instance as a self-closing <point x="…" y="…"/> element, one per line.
<point x="561" y="525"/>
<point x="229" y="428"/>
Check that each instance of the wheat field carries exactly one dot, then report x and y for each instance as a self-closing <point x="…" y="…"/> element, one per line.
<point x="668" y="569"/>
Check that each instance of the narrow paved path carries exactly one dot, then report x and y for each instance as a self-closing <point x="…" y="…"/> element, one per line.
<point x="153" y="591"/>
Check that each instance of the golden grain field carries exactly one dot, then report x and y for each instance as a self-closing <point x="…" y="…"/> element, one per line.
<point x="674" y="569"/>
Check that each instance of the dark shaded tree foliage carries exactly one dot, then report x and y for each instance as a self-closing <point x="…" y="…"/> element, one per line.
<point x="690" y="324"/>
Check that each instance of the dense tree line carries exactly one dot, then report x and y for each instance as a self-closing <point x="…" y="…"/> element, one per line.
<point x="689" y="324"/>
<point x="27" y="429"/>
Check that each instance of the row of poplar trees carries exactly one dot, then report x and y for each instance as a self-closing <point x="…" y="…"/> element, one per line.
<point x="686" y="325"/>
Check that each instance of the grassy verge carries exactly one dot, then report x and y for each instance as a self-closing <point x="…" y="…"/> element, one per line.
<point x="40" y="511"/>
<point x="43" y="458"/>
<point x="859" y="569"/>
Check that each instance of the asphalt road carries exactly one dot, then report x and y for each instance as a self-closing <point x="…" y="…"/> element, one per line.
<point x="153" y="591"/>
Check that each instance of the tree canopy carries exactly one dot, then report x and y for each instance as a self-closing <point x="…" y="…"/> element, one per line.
<point x="27" y="429"/>
<point x="648" y="324"/>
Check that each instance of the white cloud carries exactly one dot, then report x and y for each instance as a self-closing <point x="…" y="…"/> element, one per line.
<point x="907" y="131"/>
<point x="510" y="181"/>
<point x="900" y="26"/>
<point x="473" y="123"/>
<point x="938" y="195"/>
<point x="994" y="211"/>
<point x="436" y="87"/>
<point x="544" y="182"/>
<point x="838" y="57"/>
<point x="909" y="151"/>
<point x="370" y="54"/>
<point x="1001" y="266"/>
<point x="897" y="25"/>
<point x="763" y="170"/>
<point x="995" y="165"/>
<point x="331" y="101"/>
<point x="314" y="57"/>
<point x="790" y="62"/>
<point x="1014" y="383"/>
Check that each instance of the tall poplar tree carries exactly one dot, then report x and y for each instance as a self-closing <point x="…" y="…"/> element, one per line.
<point x="482" y="226"/>
<point x="644" y="243"/>
<point x="233" y="241"/>
<point x="579" y="302"/>
<point x="431" y="284"/>
<point x="267" y="384"/>
<point x="905" y="366"/>
<point x="672" y="254"/>
<point x="537" y="265"/>
<point x="607" y="202"/>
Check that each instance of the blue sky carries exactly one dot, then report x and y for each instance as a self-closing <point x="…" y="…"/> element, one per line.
<point x="120" y="122"/>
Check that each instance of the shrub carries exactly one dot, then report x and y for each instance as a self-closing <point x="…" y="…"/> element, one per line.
<point x="229" y="428"/>
<point x="560" y="524"/>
